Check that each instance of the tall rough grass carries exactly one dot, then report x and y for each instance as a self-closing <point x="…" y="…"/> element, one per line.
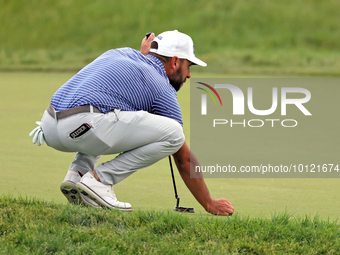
<point x="66" y="34"/>
<point x="29" y="226"/>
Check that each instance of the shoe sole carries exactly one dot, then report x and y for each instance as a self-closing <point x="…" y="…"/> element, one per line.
<point x="70" y="191"/>
<point x="88" y="192"/>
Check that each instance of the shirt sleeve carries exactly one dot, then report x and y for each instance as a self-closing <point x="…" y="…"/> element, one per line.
<point x="167" y="105"/>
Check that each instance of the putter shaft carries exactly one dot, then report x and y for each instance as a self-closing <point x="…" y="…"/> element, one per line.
<point x="173" y="181"/>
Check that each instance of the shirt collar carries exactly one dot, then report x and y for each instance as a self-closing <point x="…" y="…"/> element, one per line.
<point x="158" y="64"/>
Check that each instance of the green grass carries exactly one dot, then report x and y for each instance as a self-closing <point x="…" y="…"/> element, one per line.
<point x="218" y="24"/>
<point x="36" y="172"/>
<point x="233" y="37"/>
<point x="236" y="38"/>
<point x="29" y="226"/>
<point x="274" y="62"/>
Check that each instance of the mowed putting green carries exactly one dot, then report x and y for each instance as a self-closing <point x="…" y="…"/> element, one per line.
<point x="32" y="171"/>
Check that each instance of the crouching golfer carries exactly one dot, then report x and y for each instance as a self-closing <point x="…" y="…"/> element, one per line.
<point x="125" y="102"/>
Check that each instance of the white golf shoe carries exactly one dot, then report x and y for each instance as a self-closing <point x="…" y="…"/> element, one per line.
<point x="102" y="194"/>
<point x="70" y="191"/>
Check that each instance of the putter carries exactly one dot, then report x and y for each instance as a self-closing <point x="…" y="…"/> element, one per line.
<point x="177" y="207"/>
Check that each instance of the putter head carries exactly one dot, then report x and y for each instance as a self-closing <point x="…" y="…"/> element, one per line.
<point x="184" y="209"/>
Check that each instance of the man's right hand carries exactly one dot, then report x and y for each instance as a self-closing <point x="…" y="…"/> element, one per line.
<point x="186" y="160"/>
<point x="220" y="207"/>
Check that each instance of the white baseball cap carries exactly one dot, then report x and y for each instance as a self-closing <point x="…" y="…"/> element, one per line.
<point x="174" y="43"/>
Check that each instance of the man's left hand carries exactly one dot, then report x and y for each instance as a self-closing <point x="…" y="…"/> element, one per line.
<point x="146" y="44"/>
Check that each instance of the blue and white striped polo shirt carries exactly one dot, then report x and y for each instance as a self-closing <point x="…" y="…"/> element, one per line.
<point x="121" y="79"/>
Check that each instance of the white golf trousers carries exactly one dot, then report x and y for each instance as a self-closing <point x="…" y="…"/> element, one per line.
<point x="141" y="139"/>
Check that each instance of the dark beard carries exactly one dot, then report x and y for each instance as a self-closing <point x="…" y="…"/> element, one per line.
<point x="177" y="80"/>
<point x="176" y="84"/>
